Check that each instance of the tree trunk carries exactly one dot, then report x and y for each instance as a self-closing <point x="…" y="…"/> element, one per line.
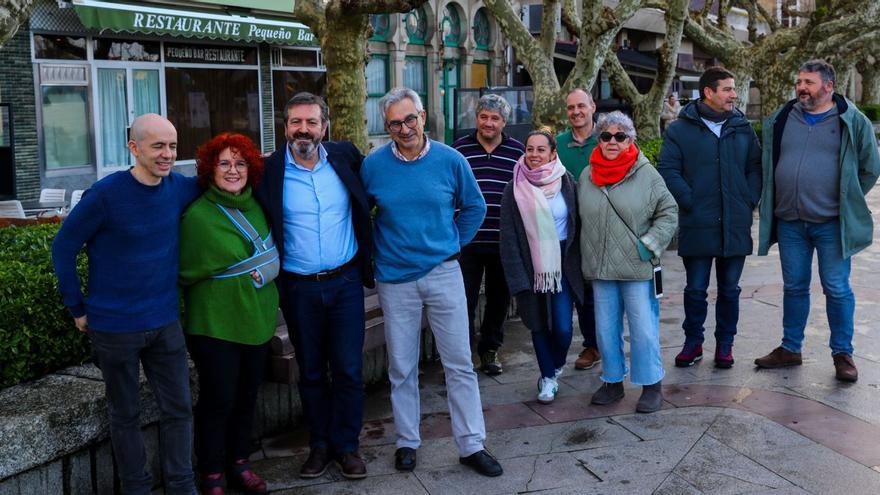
<point x="344" y="48"/>
<point x="871" y="83"/>
<point x="548" y="107"/>
<point x="13" y="13"/>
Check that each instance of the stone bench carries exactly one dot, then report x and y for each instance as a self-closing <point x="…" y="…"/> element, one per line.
<point x="54" y="431"/>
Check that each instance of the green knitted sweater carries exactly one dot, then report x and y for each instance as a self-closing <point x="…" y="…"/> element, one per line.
<point x="230" y="309"/>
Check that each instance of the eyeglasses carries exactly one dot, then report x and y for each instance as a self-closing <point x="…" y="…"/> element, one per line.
<point x="240" y="166"/>
<point x="397" y="125"/>
<point x="619" y="137"/>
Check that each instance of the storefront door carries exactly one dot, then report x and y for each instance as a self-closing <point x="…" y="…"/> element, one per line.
<point x="449" y="84"/>
<point x="123" y="93"/>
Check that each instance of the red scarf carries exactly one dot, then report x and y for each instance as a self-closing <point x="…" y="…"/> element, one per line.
<point x="605" y="172"/>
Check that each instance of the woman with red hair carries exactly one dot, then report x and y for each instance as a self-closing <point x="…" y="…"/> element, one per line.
<point x="227" y="264"/>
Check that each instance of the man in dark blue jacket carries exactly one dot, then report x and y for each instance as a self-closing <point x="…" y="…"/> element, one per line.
<point x="320" y="218"/>
<point x="711" y="162"/>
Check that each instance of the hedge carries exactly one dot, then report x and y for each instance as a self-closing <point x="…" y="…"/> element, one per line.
<point x="37" y="335"/>
<point x="651" y="149"/>
<point x="871" y="110"/>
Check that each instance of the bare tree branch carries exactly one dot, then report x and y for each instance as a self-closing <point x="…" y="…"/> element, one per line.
<point x="548" y="27"/>
<point x="570" y="19"/>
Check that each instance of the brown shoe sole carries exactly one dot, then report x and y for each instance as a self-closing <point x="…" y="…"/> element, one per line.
<point x="308" y="476"/>
<point x="586" y="366"/>
<point x="351" y="476"/>
<point x="773" y="366"/>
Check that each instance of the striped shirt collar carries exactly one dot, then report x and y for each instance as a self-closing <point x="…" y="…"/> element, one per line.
<point x="402" y="158"/>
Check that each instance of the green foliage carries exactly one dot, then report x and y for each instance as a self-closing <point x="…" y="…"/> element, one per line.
<point x="758" y="126"/>
<point x="871" y="110"/>
<point x="37" y="334"/>
<point x="651" y="149"/>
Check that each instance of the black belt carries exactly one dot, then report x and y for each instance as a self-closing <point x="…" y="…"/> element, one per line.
<point x="454" y="257"/>
<point x="326" y="274"/>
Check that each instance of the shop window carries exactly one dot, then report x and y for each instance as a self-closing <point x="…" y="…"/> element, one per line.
<point x="377" y="86"/>
<point x="299" y="58"/>
<point x="205" y="102"/>
<point x="381" y="24"/>
<point x="64" y="107"/>
<point x="285" y="84"/>
<point x="450" y="25"/>
<point x="479" y="74"/>
<point x="416" y="22"/>
<point x="127" y="50"/>
<point x="57" y="47"/>
<point x="415" y="76"/>
<point x="482" y="30"/>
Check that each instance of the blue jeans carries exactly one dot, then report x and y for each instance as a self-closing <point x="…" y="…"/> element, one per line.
<point x="797" y="240"/>
<point x="326" y="324"/>
<point x="551" y="347"/>
<point x="162" y="352"/>
<point x="635" y="298"/>
<point x="727" y="273"/>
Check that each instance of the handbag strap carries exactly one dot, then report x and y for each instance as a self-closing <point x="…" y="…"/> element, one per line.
<point x="608" y="197"/>
<point x="631" y="231"/>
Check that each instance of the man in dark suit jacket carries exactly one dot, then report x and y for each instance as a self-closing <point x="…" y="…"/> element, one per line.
<point x="320" y="218"/>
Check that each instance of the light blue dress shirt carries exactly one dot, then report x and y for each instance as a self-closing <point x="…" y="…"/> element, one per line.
<point x="318" y="231"/>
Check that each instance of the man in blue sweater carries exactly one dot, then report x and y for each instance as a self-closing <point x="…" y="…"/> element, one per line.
<point x="129" y="222"/>
<point x="417" y="185"/>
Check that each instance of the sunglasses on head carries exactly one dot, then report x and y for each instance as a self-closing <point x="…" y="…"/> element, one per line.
<point x="606" y="137"/>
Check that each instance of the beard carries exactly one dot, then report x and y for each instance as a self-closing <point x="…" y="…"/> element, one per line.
<point x="304" y="145"/>
<point x="811" y="101"/>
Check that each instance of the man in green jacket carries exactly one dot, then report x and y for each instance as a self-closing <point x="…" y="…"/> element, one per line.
<point x="820" y="159"/>
<point x="573" y="148"/>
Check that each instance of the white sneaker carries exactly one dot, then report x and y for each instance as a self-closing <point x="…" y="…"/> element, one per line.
<point x="548" y="388"/>
<point x="558" y="372"/>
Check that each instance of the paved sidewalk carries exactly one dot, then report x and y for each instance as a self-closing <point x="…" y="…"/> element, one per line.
<point x="743" y="430"/>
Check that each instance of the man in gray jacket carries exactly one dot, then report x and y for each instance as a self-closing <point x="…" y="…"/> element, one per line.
<point x="820" y="160"/>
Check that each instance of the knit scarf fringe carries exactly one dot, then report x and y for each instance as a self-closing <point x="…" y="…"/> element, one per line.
<point x="548" y="282"/>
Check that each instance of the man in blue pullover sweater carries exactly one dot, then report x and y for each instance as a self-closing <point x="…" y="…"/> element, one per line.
<point x="417" y="185"/>
<point x="129" y="222"/>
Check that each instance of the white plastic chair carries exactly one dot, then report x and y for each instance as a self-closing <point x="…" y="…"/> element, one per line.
<point x="75" y="196"/>
<point x="11" y="209"/>
<point x="52" y="195"/>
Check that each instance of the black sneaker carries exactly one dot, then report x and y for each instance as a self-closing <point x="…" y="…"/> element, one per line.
<point x="491" y="365"/>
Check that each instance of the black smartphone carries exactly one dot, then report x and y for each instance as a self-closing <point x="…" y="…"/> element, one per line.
<point x="658" y="282"/>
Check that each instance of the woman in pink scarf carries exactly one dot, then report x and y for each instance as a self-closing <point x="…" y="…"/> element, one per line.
<point x="540" y="253"/>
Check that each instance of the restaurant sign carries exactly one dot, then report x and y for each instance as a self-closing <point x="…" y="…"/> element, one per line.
<point x="119" y="17"/>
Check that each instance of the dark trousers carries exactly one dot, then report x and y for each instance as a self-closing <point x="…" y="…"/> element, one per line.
<point x="230" y="375"/>
<point x="587" y="317"/>
<point x="727" y="273"/>
<point x="474" y="264"/>
<point x="326" y="324"/>
<point x="162" y="352"/>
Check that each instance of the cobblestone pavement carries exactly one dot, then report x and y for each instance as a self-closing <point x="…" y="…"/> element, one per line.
<point x="743" y="430"/>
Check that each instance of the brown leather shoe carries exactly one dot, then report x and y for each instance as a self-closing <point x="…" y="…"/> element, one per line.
<point x="587" y="358"/>
<point x="845" y="368"/>
<point x="316" y="465"/>
<point x="779" y="358"/>
<point x="352" y="466"/>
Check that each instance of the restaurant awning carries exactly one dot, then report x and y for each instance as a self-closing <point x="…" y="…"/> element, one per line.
<point x="215" y="25"/>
